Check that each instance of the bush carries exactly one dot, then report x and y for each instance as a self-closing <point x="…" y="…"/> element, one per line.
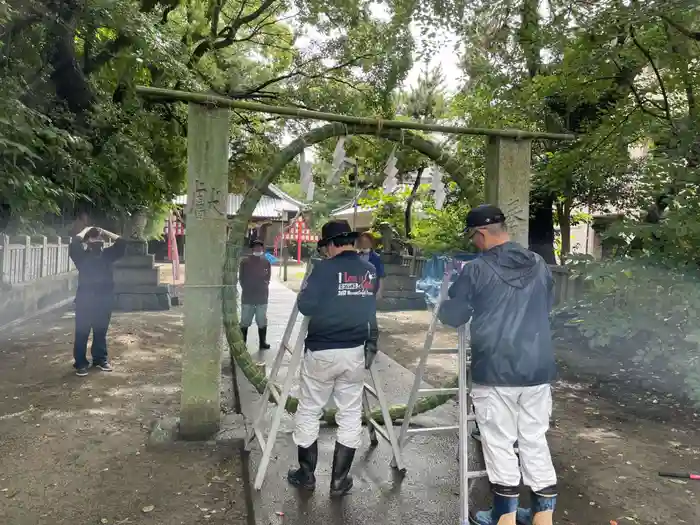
<point x="647" y="306"/>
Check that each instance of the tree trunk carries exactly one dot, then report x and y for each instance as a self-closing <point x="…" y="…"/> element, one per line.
<point x="409" y="207"/>
<point x="70" y="83"/>
<point x="541" y="227"/>
<point x="564" y="213"/>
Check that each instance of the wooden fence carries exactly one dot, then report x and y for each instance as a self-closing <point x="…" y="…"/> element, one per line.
<point x="565" y="288"/>
<point x="24" y="259"/>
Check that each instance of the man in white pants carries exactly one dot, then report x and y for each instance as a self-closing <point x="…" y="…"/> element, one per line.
<point x="339" y="299"/>
<point x="507" y="294"/>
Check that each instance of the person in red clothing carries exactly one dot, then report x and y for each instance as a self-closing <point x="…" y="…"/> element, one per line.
<point x="254" y="275"/>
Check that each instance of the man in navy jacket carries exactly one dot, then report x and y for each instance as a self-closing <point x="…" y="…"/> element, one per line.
<point x="339" y="299"/>
<point x="507" y="295"/>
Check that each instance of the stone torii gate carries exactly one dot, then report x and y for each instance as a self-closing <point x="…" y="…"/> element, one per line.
<point x="507" y="185"/>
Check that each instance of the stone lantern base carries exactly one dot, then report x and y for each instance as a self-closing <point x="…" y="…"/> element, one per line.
<point x="137" y="283"/>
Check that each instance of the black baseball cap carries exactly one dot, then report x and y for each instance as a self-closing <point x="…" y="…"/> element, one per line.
<point x="257" y="242"/>
<point x="483" y="215"/>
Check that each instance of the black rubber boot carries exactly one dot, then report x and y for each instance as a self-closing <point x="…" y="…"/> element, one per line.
<point x="304" y="477"/>
<point x="262" y="335"/>
<point x="244" y="331"/>
<point x="341" y="481"/>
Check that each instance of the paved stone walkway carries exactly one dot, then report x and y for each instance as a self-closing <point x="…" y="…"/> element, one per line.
<point x="426" y="496"/>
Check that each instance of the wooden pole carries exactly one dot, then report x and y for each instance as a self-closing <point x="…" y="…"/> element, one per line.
<point x="215" y="100"/>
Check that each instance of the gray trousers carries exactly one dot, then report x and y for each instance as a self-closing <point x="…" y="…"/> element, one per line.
<point x="248" y="311"/>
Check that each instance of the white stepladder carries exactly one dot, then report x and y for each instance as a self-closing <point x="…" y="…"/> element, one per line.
<point x="466" y="414"/>
<point x="281" y="394"/>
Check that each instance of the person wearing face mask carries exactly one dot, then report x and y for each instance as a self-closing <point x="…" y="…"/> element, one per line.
<point x="507" y="293"/>
<point x="365" y="246"/>
<point x="341" y="342"/>
<point x="94" y="298"/>
<point x="254" y="275"/>
<point x="322" y="250"/>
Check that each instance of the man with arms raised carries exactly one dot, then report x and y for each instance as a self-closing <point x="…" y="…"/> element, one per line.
<point x="95" y="296"/>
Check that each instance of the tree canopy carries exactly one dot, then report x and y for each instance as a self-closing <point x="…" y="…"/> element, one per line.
<point x="621" y="75"/>
<point x="74" y="134"/>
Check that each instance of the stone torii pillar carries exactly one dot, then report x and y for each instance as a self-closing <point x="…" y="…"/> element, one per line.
<point x="508" y="183"/>
<point x="205" y="238"/>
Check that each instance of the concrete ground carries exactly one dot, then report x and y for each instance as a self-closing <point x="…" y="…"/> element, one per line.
<point x="426" y="495"/>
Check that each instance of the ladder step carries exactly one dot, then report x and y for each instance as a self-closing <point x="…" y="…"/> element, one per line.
<point x="446" y="428"/>
<point x="437" y="391"/>
<point x="443" y="351"/>
<point x="431" y="430"/>
<point x="476" y="474"/>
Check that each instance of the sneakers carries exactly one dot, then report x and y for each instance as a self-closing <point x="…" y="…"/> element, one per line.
<point x="83" y="370"/>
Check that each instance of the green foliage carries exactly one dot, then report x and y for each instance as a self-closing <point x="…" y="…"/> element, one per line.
<point x="325" y="201"/>
<point x="433" y="231"/>
<point x="645" y="309"/>
<point x="75" y="136"/>
<point x="389" y="208"/>
<point x="440" y="231"/>
<point x="157" y="219"/>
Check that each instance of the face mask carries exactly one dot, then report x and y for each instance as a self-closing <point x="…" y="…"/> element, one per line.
<point x="365" y="250"/>
<point x="258" y="254"/>
<point x="95" y="246"/>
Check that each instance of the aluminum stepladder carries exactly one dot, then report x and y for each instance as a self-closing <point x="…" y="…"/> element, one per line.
<point x="281" y="395"/>
<point x="466" y="414"/>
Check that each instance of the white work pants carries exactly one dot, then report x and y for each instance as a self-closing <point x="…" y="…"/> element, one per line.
<point x="340" y="373"/>
<point x="507" y="414"/>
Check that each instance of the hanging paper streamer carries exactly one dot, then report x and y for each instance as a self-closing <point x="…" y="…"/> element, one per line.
<point x="306" y="173"/>
<point x="339" y="153"/>
<point x="390" y="184"/>
<point x="439" y="197"/>
<point x="436" y="184"/>
<point x="391" y="163"/>
<point x="390" y="170"/>
<point x="337" y="162"/>
<point x="310" y="191"/>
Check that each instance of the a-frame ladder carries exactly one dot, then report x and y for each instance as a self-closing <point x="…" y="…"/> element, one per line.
<point x="466" y="414"/>
<point x="280" y="394"/>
